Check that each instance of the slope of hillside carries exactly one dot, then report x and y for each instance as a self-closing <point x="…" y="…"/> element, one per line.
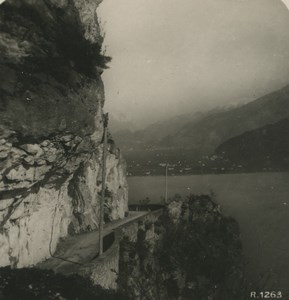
<point x="265" y="148"/>
<point x="153" y="134"/>
<point x="206" y="134"/>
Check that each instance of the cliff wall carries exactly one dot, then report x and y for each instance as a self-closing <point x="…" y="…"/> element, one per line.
<point x="51" y="128"/>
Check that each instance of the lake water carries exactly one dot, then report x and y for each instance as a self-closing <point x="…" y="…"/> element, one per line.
<point x="258" y="201"/>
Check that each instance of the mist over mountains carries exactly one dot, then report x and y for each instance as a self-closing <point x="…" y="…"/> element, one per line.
<point x="154" y="134"/>
<point x="237" y="131"/>
<point x="209" y="132"/>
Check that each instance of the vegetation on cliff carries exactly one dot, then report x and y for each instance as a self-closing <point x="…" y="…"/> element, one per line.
<point x="197" y="255"/>
<point x="50" y="68"/>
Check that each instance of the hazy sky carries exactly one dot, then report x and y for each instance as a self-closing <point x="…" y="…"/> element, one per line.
<point x="177" y="56"/>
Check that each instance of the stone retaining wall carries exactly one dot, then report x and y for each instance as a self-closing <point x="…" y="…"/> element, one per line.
<point x="104" y="269"/>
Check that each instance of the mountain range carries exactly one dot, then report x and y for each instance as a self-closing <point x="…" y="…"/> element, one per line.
<point x="211" y="131"/>
<point x="154" y="134"/>
<point x="237" y="131"/>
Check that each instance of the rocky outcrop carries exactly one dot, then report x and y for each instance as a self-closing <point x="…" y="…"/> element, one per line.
<point x="195" y="254"/>
<point x="51" y="128"/>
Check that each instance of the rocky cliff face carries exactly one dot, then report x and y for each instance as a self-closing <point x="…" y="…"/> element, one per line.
<point x="51" y="128"/>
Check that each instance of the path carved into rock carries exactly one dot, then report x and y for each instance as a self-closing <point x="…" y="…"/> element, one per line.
<point x="83" y="248"/>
